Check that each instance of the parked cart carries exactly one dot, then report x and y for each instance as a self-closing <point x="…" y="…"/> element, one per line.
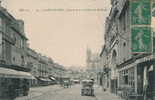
<point x="87" y="88"/>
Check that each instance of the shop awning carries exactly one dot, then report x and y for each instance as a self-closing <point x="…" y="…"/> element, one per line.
<point x="26" y="75"/>
<point x="45" y="79"/>
<point x="11" y="73"/>
<point x="52" y="78"/>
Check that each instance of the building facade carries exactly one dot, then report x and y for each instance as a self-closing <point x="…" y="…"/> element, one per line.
<point x="43" y="68"/>
<point x="13" y="40"/>
<point x="32" y="64"/>
<point x="18" y="63"/>
<point x="13" y="46"/>
<point x="126" y="71"/>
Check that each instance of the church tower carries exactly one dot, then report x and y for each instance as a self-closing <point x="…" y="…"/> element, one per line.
<point x="88" y="58"/>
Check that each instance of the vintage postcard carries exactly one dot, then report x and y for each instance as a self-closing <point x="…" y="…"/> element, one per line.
<point x="77" y="50"/>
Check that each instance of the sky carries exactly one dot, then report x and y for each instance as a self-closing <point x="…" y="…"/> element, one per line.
<point x="62" y="29"/>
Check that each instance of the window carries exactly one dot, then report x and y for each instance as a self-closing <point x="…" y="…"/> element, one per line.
<point x="127" y="23"/>
<point x="131" y="81"/>
<point x="23" y="60"/>
<point x="124" y="18"/>
<point x="14" y="59"/>
<point x="124" y="44"/>
<point x="126" y="79"/>
<point x="21" y="43"/>
<point x="1" y="24"/>
<point x="122" y="21"/>
<point x="154" y="43"/>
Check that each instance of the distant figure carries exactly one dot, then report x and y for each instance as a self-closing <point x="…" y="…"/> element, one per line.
<point x="61" y="82"/>
<point x="92" y="80"/>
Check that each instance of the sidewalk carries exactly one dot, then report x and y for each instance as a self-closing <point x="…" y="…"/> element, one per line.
<point x="105" y="95"/>
<point x="38" y="91"/>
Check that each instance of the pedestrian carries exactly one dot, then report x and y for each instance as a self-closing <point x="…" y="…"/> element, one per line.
<point x="25" y="87"/>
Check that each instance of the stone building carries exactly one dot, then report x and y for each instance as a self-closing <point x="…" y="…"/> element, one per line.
<point x="13" y="66"/>
<point x="32" y="64"/>
<point x="117" y="42"/>
<point x="58" y="70"/>
<point x="18" y="63"/>
<point x="43" y="68"/>
<point x="106" y="68"/>
<point x="13" y="41"/>
<point x="51" y="66"/>
<point x="125" y="69"/>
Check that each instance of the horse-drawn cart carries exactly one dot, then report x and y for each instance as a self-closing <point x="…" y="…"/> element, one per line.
<point x="65" y="82"/>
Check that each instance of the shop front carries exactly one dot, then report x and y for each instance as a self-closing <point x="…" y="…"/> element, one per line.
<point x="137" y="79"/>
<point x="106" y="79"/>
<point x="114" y="80"/>
<point x="13" y="83"/>
<point x="126" y="81"/>
<point x="146" y="79"/>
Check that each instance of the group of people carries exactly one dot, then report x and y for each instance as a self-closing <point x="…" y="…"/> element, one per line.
<point x="66" y="83"/>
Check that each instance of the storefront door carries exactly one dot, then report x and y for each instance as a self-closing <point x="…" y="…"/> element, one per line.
<point x="151" y="80"/>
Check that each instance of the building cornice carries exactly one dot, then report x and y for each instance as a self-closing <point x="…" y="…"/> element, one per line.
<point x="13" y="21"/>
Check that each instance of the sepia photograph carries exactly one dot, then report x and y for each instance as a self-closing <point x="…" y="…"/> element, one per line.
<point x="77" y="50"/>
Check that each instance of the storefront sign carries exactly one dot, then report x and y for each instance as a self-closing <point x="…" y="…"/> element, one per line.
<point x="144" y="59"/>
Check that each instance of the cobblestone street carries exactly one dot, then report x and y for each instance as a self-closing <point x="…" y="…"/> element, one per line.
<point x="59" y="93"/>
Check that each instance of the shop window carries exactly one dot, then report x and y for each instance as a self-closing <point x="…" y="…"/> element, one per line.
<point x="1" y="24"/>
<point x="124" y="44"/>
<point x="154" y="43"/>
<point x="14" y="59"/>
<point x="125" y="79"/>
<point x="108" y="84"/>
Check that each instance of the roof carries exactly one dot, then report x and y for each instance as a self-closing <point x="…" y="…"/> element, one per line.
<point x="14" y="22"/>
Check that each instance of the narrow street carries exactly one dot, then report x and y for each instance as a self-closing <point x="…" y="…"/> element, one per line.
<point x="59" y="93"/>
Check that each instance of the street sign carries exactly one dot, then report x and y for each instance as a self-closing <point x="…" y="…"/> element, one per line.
<point x="140" y="12"/>
<point x="141" y="39"/>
